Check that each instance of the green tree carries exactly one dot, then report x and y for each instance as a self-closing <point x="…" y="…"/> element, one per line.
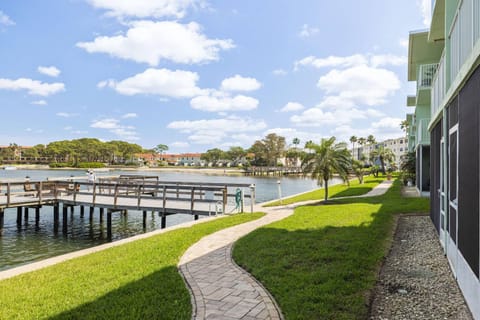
<point x="274" y="148"/>
<point x="404" y="125"/>
<point x="358" y="170"/>
<point x="235" y="154"/>
<point x="213" y="155"/>
<point x="353" y="140"/>
<point x="326" y="159"/>
<point x="371" y="139"/>
<point x="161" y="148"/>
<point x="383" y="155"/>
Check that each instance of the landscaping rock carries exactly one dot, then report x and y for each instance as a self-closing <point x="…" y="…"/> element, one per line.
<point x="415" y="281"/>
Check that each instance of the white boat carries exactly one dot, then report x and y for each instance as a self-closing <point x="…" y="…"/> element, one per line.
<point x="9" y="168"/>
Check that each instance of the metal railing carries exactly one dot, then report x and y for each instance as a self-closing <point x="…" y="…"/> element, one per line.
<point x="425" y="75"/>
<point x="464" y="34"/>
<point x="438" y="87"/>
<point x="423" y="135"/>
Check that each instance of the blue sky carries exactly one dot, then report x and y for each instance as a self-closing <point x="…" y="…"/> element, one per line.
<point x="200" y="74"/>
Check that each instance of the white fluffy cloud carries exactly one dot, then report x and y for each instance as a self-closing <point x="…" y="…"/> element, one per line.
<point x="146" y="8"/>
<point x="49" y="71"/>
<point x="67" y="114"/>
<point x="114" y="126"/>
<point x="215" y="130"/>
<point x="220" y="102"/>
<point x="150" y="42"/>
<point x="359" y="85"/>
<point x="39" y="102"/>
<point x="280" y="72"/>
<point x="351" y="61"/>
<point x="179" y="144"/>
<point x="5" y="20"/>
<point x="426" y="9"/>
<point x="331" y="61"/>
<point x="34" y="87"/>
<point x="292" y="106"/>
<point x="129" y="115"/>
<point x="239" y="83"/>
<point x="162" y="82"/>
<point x="307" y="31"/>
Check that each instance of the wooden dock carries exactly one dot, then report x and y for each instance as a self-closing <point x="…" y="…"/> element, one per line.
<point x="123" y="193"/>
<point x="272" y="171"/>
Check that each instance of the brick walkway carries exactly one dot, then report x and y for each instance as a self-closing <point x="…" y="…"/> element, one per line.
<point x="222" y="290"/>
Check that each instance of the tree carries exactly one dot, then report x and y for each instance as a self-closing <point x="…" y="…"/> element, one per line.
<point x="383" y="155"/>
<point x="268" y="150"/>
<point x="404" y="125"/>
<point x="213" y="155"/>
<point x="161" y="148"/>
<point x="235" y="154"/>
<point x="274" y="148"/>
<point x="296" y="142"/>
<point x="326" y="159"/>
<point x="371" y="139"/>
<point x="353" y="139"/>
<point x="357" y="168"/>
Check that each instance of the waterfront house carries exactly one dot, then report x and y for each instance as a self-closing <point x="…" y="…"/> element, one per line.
<point x="454" y="128"/>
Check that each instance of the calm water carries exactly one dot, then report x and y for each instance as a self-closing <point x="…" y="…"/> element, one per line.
<point x="32" y="242"/>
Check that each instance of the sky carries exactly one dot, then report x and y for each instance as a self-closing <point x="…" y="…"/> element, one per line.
<point x="201" y="74"/>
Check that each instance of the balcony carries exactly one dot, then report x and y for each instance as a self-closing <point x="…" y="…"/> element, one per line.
<point x="464" y="35"/>
<point x="438" y="87"/>
<point x="423" y="135"/>
<point x="424" y="82"/>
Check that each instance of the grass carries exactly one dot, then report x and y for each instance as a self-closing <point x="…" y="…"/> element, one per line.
<point x="322" y="262"/>
<point x="138" y="280"/>
<point x="335" y="191"/>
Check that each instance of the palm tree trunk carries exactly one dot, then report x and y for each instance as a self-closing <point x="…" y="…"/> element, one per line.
<point x="326" y="189"/>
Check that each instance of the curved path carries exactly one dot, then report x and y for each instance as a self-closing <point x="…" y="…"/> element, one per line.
<point x="222" y="290"/>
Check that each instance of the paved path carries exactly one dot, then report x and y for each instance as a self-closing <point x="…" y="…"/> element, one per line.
<point x="222" y="290"/>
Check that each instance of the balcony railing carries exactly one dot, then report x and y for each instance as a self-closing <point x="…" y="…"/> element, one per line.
<point x="438" y="87"/>
<point x="425" y="76"/>
<point x="423" y="135"/>
<point x="464" y="34"/>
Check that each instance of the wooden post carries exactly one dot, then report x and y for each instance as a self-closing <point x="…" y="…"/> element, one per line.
<point x="91" y="213"/>
<point x="94" y="194"/>
<point x="82" y="211"/>
<point x="192" y="199"/>
<point x="164" y="199"/>
<point x="115" y="196"/>
<point x="144" y="219"/>
<point x="109" y="223"/>
<point x="8" y="195"/>
<point x="164" y="221"/>
<point x="25" y="215"/>
<point x="65" y="214"/>
<point x="101" y="215"/>
<point x="55" y="214"/>
<point x="71" y="209"/>
<point x="2" y="219"/>
<point x="40" y="186"/>
<point x="139" y="196"/>
<point x="19" y="215"/>
<point x="37" y="215"/>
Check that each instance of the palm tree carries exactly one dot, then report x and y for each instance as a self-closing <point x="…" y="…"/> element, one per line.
<point x="404" y="125"/>
<point x="353" y="139"/>
<point x="384" y="155"/>
<point x="371" y="139"/>
<point x="326" y="159"/>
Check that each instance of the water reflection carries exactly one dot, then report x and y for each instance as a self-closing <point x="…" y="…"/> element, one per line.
<point x="35" y="239"/>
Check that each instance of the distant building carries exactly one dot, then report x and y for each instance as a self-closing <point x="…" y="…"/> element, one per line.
<point x="399" y="147"/>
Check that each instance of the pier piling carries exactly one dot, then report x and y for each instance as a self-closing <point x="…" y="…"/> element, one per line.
<point x="2" y="219"/>
<point x="19" y="215"/>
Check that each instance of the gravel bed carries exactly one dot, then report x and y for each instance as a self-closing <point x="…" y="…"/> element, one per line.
<point x="416" y="281"/>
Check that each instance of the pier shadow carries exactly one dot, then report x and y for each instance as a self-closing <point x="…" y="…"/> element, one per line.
<point x="160" y="295"/>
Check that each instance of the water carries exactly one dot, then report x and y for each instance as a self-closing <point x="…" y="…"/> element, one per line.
<point x="34" y="241"/>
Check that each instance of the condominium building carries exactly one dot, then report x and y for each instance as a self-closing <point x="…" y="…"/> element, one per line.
<point x="446" y="59"/>
<point x="398" y="146"/>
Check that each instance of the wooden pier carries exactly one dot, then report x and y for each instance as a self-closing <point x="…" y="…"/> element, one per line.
<point x="273" y="171"/>
<point x="123" y="193"/>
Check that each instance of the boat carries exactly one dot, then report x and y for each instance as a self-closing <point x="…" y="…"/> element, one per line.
<point x="9" y="168"/>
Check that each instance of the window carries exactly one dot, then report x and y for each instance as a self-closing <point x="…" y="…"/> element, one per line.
<point x="401" y="149"/>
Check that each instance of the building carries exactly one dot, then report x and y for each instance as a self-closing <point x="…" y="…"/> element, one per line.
<point x="399" y="147"/>
<point x="447" y="59"/>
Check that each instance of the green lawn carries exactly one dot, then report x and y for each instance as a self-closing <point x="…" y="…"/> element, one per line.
<point x="138" y="280"/>
<point x="322" y="262"/>
<point x="339" y="190"/>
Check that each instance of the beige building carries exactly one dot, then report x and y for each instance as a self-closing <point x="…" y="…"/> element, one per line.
<point x="399" y="147"/>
